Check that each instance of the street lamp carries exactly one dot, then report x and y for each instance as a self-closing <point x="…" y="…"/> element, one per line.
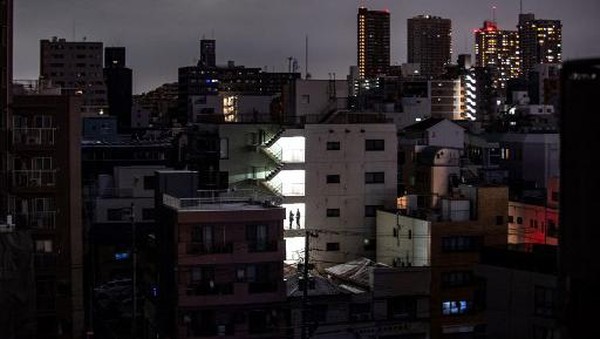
<point x="134" y="273"/>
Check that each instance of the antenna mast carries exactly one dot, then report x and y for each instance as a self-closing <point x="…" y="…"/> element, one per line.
<point x="306" y="57"/>
<point x="520" y="6"/>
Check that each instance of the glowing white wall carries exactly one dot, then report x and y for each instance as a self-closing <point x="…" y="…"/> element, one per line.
<point x="292" y="149"/>
<point x="292" y="181"/>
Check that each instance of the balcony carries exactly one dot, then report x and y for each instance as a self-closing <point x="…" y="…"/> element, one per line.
<point x="33" y="136"/>
<point x="45" y="220"/>
<point x="33" y="178"/>
<point x="200" y="248"/>
<point x="209" y="288"/>
<point x="262" y="287"/>
<point x="262" y="246"/>
<point x="44" y="260"/>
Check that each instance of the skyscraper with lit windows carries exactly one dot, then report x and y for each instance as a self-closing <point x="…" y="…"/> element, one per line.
<point x="540" y="41"/>
<point x="498" y="50"/>
<point x="373" y="42"/>
<point x="430" y="43"/>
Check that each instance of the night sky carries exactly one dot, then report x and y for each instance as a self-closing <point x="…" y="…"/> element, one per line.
<point x="162" y="35"/>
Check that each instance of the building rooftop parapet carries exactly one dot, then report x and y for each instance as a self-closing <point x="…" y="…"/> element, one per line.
<point x="35" y="87"/>
<point x="223" y="200"/>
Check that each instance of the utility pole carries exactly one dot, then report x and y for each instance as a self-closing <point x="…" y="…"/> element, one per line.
<point x="305" y="286"/>
<point x="134" y="280"/>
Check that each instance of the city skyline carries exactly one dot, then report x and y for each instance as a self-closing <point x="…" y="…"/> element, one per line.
<point x="267" y="32"/>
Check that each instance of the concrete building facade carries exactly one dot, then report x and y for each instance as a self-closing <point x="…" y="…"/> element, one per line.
<point x="228" y="251"/>
<point x="429" y="43"/>
<point x="76" y="67"/>
<point x="45" y="198"/>
<point x="351" y="171"/>
<point x="373" y="42"/>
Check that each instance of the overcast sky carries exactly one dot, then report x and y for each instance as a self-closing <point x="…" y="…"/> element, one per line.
<point x="162" y="35"/>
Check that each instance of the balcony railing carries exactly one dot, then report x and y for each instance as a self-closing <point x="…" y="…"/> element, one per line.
<point x="262" y="287"/>
<point x="44" y="260"/>
<point x="200" y="248"/>
<point x="210" y="288"/>
<point x="33" y="178"/>
<point x="33" y="136"/>
<point x="221" y="200"/>
<point x="262" y="246"/>
<point x="38" y="220"/>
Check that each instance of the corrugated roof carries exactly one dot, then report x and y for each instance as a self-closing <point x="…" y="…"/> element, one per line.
<point x="423" y="125"/>
<point x="322" y="287"/>
<point x="355" y="272"/>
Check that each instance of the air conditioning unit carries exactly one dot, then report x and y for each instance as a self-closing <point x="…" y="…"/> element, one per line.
<point x="33" y="141"/>
<point x="9" y="226"/>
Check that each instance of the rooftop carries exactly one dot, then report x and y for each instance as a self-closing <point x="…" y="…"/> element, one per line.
<point x="228" y="201"/>
<point x="322" y="286"/>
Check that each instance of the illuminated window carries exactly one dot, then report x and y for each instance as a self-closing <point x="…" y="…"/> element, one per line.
<point x="456" y="307"/>
<point x="43" y="246"/>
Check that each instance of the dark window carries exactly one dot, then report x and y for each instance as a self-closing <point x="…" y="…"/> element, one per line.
<point x="460" y="243"/>
<point x="333" y="178"/>
<point x="148" y="214"/>
<point x="371" y="210"/>
<point x="261" y="278"/>
<point x="457" y="278"/>
<point x="552" y="229"/>
<point x="202" y="239"/>
<point x="360" y="312"/>
<point x="374" y="177"/>
<point x="202" y="274"/>
<point x="260" y="321"/>
<point x="333" y="246"/>
<point x="511" y="219"/>
<point x="114" y="214"/>
<point x="519" y="220"/>
<point x="402" y="308"/>
<point x="149" y="182"/>
<point x="258" y="239"/>
<point x="374" y="145"/>
<point x="369" y="245"/>
<point x="333" y="145"/>
<point x="333" y="212"/>
<point x="224" y="148"/>
<point x="545" y="299"/>
<point x="499" y="220"/>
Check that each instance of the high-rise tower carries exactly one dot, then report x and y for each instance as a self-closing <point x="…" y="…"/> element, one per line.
<point x="373" y="42"/>
<point x="429" y="43"/>
<point x="119" y="86"/>
<point x="540" y="41"/>
<point x="76" y="67"/>
<point x="6" y="13"/>
<point x="499" y="50"/>
<point x="207" y="53"/>
<point x="579" y="272"/>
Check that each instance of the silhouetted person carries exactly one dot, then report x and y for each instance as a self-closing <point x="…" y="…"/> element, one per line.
<point x="291" y="217"/>
<point x="298" y="218"/>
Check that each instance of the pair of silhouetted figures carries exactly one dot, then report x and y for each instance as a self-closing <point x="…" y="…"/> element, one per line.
<point x="297" y="217"/>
